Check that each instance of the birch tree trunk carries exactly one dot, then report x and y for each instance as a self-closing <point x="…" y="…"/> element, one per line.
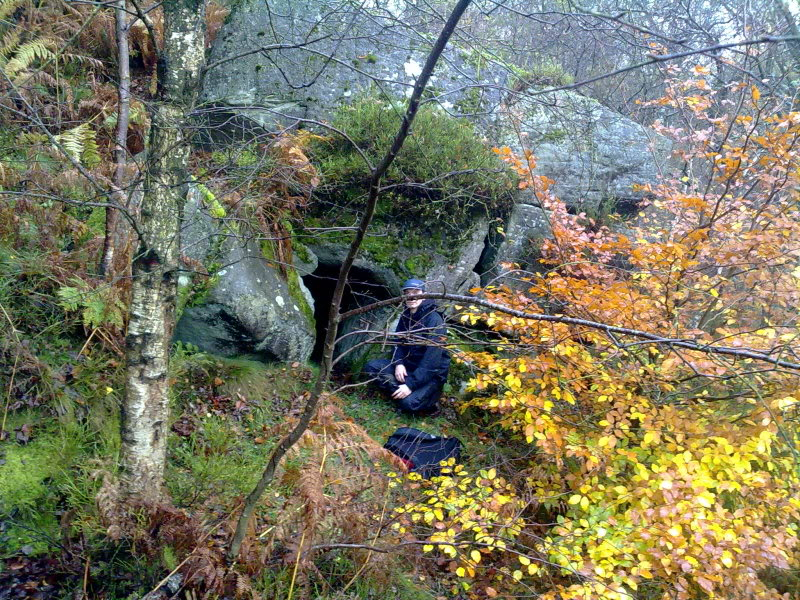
<point x="122" y="28"/>
<point x="145" y="410"/>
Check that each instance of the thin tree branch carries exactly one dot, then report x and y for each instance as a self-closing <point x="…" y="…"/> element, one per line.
<point x="333" y="315"/>
<point x="686" y="344"/>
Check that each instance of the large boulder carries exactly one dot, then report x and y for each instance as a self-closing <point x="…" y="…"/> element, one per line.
<point x="518" y="244"/>
<point x="248" y="306"/>
<point x="345" y="52"/>
<point x="458" y="274"/>
<point x="594" y="154"/>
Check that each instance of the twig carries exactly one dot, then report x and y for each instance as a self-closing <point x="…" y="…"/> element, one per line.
<point x="369" y="552"/>
<point x="296" y="564"/>
<point x="14" y="332"/>
<point x="89" y="339"/>
<point x="686" y="344"/>
<point x="85" y="579"/>
<point x="8" y="396"/>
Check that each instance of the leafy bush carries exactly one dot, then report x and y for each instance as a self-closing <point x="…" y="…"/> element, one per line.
<point x="443" y="161"/>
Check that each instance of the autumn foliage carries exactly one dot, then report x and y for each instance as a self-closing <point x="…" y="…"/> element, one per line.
<point x="651" y="471"/>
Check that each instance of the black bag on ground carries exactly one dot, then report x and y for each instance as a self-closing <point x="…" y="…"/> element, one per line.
<point x="422" y="451"/>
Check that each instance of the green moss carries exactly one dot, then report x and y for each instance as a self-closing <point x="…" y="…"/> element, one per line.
<point x="53" y="470"/>
<point x="301" y="250"/>
<point x="292" y="283"/>
<point x="25" y="477"/>
<point x="444" y="172"/>
<point x="554" y="136"/>
<point x="418" y="264"/>
<point x="471" y="102"/>
<point x="382" y="247"/>
<point x="545" y="73"/>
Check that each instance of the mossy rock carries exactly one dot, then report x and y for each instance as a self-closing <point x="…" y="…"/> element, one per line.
<point x="253" y="309"/>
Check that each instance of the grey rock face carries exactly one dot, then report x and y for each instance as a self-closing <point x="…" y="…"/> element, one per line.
<point x="198" y="230"/>
<point x="458" y="276"/>
<point x="250" y="310"/>
<point x="526" y="229"/>
<point x="594" y="155"/>
<point x="347" y="52"/>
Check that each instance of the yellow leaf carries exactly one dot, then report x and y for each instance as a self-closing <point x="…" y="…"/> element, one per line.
<point x="575" y="499"/>
<point x="492" y="473"/>
<point x="427" y="548"/>
<point x="675" y="530"/>
<point x="524" y="559"/>
<point x="714" y="292"/>
<point x="460" y="571"/>
<point x="476" y="556"/>
<point x="756" y="94"/>
<point x="706" y="500"/>
<point x="727" y="559"/>
<point x="585" y="503"/>
<point x="517" y="575"/>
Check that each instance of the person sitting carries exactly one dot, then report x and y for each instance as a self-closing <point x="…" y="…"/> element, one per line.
<point x="416" y="373"/>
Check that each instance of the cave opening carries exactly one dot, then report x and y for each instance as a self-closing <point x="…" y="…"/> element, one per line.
<point x="362" y="289"/>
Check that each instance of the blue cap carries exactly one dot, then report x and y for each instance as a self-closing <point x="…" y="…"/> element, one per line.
<point x="414" y="284"/>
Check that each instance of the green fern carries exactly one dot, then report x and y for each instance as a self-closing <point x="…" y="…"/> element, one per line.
<point x="137" y="116"/>
<point x="26" y="54"/>
<point x="80" y="143"/>
<point x="7" y="7"/>
<point x="99" y="307"/>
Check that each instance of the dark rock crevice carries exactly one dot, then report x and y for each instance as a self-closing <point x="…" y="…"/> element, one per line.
<point x="362" y="289"/>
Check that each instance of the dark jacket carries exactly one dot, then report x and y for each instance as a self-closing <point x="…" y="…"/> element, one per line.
<point x="423" y="362"/>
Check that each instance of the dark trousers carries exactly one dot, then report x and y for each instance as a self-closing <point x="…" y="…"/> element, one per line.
<point x="421" y="400"/>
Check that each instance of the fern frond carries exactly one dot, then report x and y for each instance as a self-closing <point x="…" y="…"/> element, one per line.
<point x="72" y="141"/>
<point x="27" y="53"/>
<point x="41" y="77"/>
<point x="81" y="59"/>
<point x="7" y="7"/>
<point x="80" y="143"/>
<point x="9" y="43"/>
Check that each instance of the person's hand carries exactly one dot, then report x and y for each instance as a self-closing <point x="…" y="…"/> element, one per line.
<point x="401" y="392"/>
<point x="400" y="374"/>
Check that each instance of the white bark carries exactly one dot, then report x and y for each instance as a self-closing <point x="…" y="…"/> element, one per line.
<point x="145" y="413"/>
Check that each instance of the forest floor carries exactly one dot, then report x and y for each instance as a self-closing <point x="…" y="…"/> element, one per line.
<point x="226" y="414"/>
